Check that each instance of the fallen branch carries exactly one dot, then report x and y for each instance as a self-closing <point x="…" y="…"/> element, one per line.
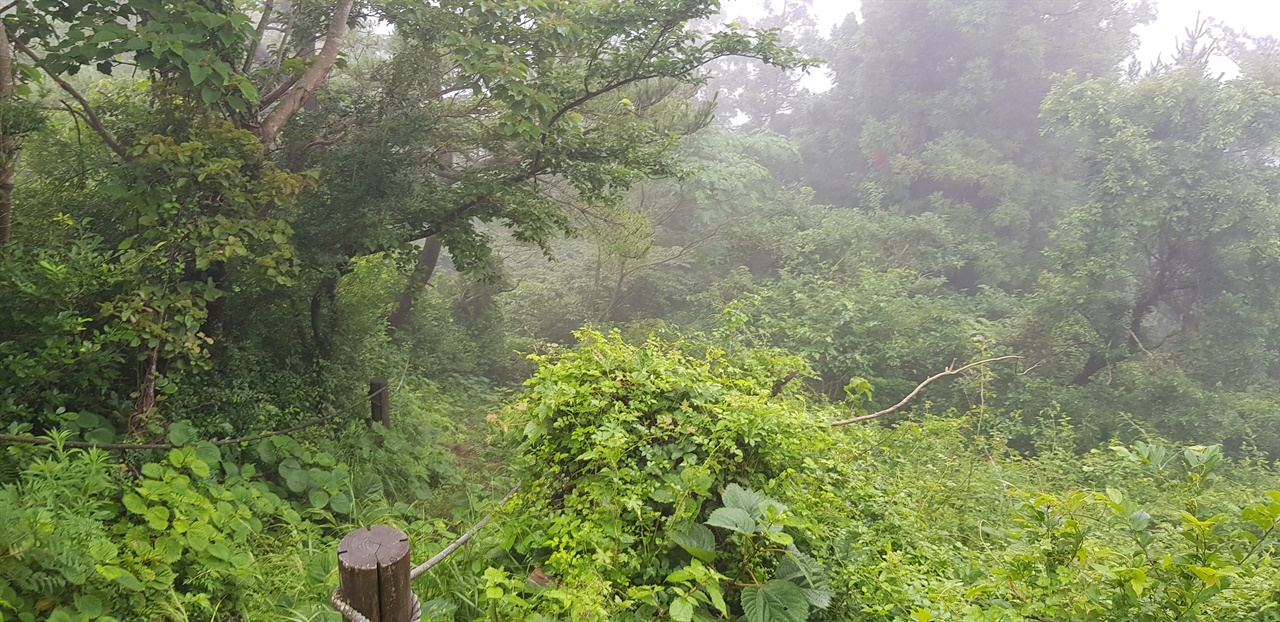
<point x="951" y="370"/>
<point x="448" y="550"/>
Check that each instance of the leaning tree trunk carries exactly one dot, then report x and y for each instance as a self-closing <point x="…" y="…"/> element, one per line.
<point x="418" y="281"/>
<point x="8" y="142"/>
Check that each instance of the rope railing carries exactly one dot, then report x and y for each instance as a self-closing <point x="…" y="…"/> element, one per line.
<point x="448" y="550"/>
<point x="374" y="574"/>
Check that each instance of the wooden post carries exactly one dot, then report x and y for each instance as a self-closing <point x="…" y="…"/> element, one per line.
<point x="373" y="573"/>
<point x="380" y="402"/>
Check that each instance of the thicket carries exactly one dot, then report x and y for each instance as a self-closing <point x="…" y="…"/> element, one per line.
<point x="615" y="252"/>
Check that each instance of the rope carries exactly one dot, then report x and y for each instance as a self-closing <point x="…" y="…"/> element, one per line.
<point x="352" y="615"/>
<point x="448" y="550"/>
<point x="345" y="608"/>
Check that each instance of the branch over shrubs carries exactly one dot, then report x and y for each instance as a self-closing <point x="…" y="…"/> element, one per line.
<point x="951" y="370"/>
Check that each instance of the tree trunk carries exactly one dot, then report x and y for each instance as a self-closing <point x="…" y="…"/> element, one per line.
<point x="8" y="143"/>
<point x="1098" y="362"/>
<point x="1095" y="364"/>
<point x="315" y="75"/>
<point x="418" y="280"/>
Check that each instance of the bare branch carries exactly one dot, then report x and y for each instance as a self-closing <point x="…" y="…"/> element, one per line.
<point x="291" y="102"/>
<point x="951" y="370"/>
<point x="278" y="92"/>
<point x="257" y="35"/>
<point x="90" y="116"/>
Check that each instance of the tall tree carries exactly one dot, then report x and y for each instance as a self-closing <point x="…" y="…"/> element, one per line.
<point x="1175" y="245"/>
<point x="935" y="109"/>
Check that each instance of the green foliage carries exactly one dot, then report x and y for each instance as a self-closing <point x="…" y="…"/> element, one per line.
<point x="625" y="448"/>
<point x="122" y="554"/>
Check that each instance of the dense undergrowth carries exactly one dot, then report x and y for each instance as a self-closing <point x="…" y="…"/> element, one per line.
<point x="662" y="479"/>
<point x="584" y="272"/>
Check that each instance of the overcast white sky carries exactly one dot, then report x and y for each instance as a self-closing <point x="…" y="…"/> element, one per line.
<point x="1259" y="17"/>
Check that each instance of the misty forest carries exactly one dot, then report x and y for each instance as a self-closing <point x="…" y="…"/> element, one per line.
<point x="637" y="310"/>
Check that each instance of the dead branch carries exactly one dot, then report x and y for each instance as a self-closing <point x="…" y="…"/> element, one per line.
<point x="90" y="116"/>
<point x="951" y="370"/>
<point x="291" y="102"/>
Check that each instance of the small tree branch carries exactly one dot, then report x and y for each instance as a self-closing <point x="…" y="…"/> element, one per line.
<point x="779" y="385"/>
<point x="315" y="75"/>
<point x="257" y="35"/>
<point x="90" y="116"/>
<point x="951" y="370"/>
<point x="278" y="92"/>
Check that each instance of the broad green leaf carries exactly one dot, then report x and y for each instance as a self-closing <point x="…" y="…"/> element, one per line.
<point x="735" y="496"/>
<point x="181" y="433"/>
<point x="699" y="541"/>
<point x="808" y="574"/>
<point x="90" y="605"/>
<point x="134" y="503"/>
<point x="735" y="519"/>
<point x="681" y="610"/>
<point x="340" y="503"/>
<point x="157" y="517"/>
<point x="777" y="601"/>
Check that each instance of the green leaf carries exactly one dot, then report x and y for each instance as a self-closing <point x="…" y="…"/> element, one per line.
<point x="717" y="598"/>
<point x="340" y="503"/>
<point x="90" y="605"/>
<point x="181" y="433"/>
<point x="777" y="601"/>
<point x="699" y="541"/>
<point x="121" y="576"/>
<point x="208" y="453"/>
<point x="249" y="91"/>
<point x="199" y="73"/>
<point x="295" y="477"/>
<point x="808" y="574"/>
<point x="735" y="496"/>
<point x="157" y="517"/>
<point x="318" y="498"/>
<point x="735" y="519"/>
<point x="682" y="610"/>
<point x="134" y="504"/>
<point x="220" y="550"/>
<point x="199" y="468"/>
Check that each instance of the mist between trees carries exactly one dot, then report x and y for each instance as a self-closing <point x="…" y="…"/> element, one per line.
<point x="987" y="331"/>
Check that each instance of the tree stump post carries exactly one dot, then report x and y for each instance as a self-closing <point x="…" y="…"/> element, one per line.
<point x="380" y="402"/>
<point x="373" y="574"/>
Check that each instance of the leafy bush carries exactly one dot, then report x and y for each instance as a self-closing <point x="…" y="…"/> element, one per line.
<point x="625" y="451"/>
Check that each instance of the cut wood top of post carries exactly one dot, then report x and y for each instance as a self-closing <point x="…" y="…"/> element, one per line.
<point x="372" y="547"/>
